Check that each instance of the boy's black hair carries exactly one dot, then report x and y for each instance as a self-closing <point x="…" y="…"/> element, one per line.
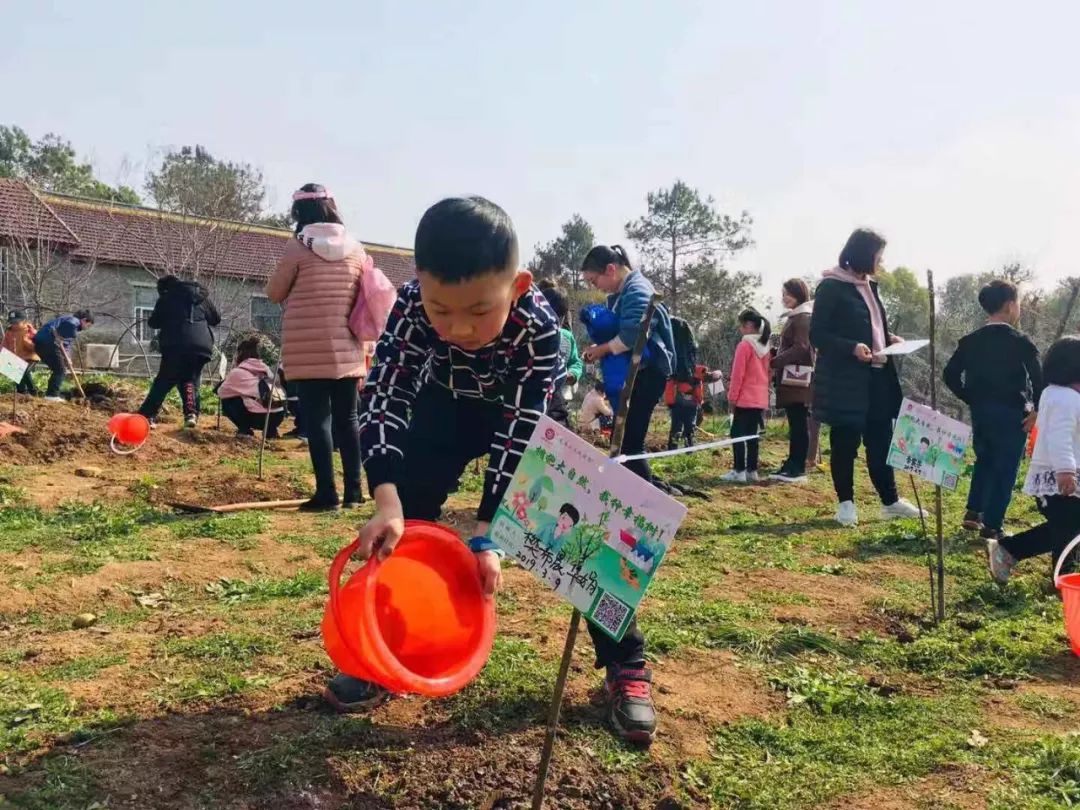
<point x="85" y="315"/>
<point x="460" y="238"/>
<point x="925" y="439"/>
<point x="859" y="252"/>
<point x="556" y="298"/>
<point x="571" y="510"/>
<point x="1061" y="366"/>
<point x="600" y="256"/>
<point x="599" y="386"/>
<point x="311" y="212"/>
<point x="996" y="295"/>
<point x="760" y="322"/>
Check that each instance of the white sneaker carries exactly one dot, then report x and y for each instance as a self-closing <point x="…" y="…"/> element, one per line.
<point x="900" y="510"/>
<point x="734" y="477"/>
<point x="753" y="477"/>
<point x="999" y="561"/>
<point x="847" y="514"/>
<point x="54" y="399"/>
<point x="191" y="421"/>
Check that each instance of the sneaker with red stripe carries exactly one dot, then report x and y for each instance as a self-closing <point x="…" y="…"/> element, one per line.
<point x="630" y="707"/>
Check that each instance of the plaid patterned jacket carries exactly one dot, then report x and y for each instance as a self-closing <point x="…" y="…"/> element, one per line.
<point x="518" y="369"/>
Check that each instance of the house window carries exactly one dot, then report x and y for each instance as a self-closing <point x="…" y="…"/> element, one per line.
<point x="265" y="315"/>
<point x="143" y="300"/>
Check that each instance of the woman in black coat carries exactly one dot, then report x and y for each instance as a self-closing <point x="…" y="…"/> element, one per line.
<point x="856" y="390"/>
<point x="183" y="316"/>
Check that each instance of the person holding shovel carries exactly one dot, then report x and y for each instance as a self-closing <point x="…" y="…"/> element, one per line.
<point x="53" y="344"/>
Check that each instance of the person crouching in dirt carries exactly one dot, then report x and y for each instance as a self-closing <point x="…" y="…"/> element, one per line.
<point x="19" y="340"/>
<point x="184" y="316"/>
<point x="246" y="393"/>
<point x="53" y="340"/>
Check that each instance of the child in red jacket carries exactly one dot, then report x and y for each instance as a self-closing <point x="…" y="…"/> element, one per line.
<point x="749" y="393"/>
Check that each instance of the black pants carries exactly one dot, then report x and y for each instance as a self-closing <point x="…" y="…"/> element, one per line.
<point x="182" y="371"/>
<point x="998" y="439"/>
<point x="436" y="457"/>
<point x="746" y="422"/>
<point x="557" y="409"/>
<point x="798" y="417"/>
<point x="648" y="389"/>
<point x="50" y="356"/>
<point x="845" y="442"/>
<point x="26" y="384"/>
<point x="246" y="421"/>
<point x="683" y="423"/>
<point x="327" y="403"/>
<point x="1062" y="525"/>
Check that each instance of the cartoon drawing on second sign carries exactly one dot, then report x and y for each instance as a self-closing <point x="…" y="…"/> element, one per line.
<point x="554" y="531"/>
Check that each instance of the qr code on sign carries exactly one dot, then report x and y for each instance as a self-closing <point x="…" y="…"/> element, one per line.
<point x="949" y="481"/>
<point x="610" y="613"/>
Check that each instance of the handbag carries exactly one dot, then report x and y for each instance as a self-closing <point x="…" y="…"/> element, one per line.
<point x="797" y="376"/>
<point x="271" y="397"/>
<point x="374" y="300"/>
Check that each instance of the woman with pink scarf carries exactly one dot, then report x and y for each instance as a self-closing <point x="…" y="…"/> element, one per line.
<point x="856" y="389"/>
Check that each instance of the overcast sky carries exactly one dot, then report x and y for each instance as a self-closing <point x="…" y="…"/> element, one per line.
<point x="952" y="127"/>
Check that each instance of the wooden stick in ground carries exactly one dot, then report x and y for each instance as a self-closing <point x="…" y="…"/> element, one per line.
<point x="237" y="507"/>
<point x="266" y="421"/>
<point x="937" y="490"/>
<point x="618" y="429"/>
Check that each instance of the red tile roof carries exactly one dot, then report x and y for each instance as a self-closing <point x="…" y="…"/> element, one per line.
<point x="132" y="236"/>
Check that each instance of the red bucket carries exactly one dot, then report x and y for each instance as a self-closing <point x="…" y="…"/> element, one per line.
<point x="1069" y="585"/>
<point x="417" y="622"/>
<point x="130" y="430"/>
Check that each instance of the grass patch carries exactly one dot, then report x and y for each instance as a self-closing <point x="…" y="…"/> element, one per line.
<point x="513" y="690"/>
<point x="238" y="530"/>
<point x="1045" y="706"/>
<point x="1045" y="773"/>
<point x="81" y="669"/>
<point x="302" y="584"/>
<point x="233" y="647"/>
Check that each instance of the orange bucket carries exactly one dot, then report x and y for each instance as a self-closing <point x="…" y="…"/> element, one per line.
<point x="1069" y="585"/>
<point x="416" y="622"/>
<point x="129" y="429"/>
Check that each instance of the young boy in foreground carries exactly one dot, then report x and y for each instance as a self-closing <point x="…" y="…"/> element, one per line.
<point x="465" y="368"/>
<point x="996" y="372"/>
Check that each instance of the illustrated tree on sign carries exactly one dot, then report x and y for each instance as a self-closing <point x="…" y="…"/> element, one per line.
<point x="683" y="232"/>
<point x="584" y="544"/>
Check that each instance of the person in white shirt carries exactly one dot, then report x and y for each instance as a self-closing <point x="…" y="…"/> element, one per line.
<point x="595" y="410"/>
<point x="1052" y="475"/>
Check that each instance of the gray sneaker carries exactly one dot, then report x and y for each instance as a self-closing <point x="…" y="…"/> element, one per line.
<point x="348" y="694"/>
<point x="999" y="561"/>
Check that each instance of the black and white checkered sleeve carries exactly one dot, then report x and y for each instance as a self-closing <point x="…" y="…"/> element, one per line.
<point x="391" y="387"/>
<point x="534" y="365"/>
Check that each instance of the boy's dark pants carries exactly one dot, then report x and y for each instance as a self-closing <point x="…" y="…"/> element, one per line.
<point x="246" y="421"/>
<point x="1062" y="525"/>
<point x="182" y="371"/>
<point x="683" y="423"/>
<point x="998" y="438"/>
<point x="445" y="434"/>
<point x="50" y="356"/>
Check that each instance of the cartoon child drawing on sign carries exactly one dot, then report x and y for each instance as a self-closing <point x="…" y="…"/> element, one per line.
<point x="553" y="532"/>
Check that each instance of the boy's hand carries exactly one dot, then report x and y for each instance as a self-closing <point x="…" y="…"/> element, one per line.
<point x="894" y="339"/>
<point x="489" y="569"/>
<point x="863" y="353"/>
<point x="1029" y="421"/>
<point x="381" y="534"/>
<point x="1066" y="482"/>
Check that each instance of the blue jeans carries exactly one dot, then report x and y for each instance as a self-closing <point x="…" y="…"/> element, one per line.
<point x="998" y="438"/>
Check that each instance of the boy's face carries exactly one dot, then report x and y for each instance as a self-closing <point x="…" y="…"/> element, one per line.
<point x="564" y="524"/>
<point x="472" y="313"/>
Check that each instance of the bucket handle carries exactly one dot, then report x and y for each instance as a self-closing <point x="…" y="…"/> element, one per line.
<point x="119" y="452"/>
<point x="1057" y="568"/>
<point x="337" y="567"/>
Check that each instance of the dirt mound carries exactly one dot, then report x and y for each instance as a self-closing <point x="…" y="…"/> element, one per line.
<point x="117" y="396"/>
<point x="218" y="487"/>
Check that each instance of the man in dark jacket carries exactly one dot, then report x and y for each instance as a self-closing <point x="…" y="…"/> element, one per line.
<point x="183" y="316"/>
<point x="53" y="340"/>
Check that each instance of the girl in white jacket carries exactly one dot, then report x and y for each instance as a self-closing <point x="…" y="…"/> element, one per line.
<point x="1052" y="475"/>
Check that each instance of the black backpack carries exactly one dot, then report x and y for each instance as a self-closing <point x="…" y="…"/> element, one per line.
<point x="685" y="350"/>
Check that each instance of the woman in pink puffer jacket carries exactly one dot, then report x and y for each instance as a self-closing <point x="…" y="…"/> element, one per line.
<point x="318" y="280"/>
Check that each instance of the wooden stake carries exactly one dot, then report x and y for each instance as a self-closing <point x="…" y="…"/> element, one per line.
<point x="266" y="422"/>
<point x="617" y="431"/>
<point x="236" y="507"/>
<point x="940" y="607"/>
